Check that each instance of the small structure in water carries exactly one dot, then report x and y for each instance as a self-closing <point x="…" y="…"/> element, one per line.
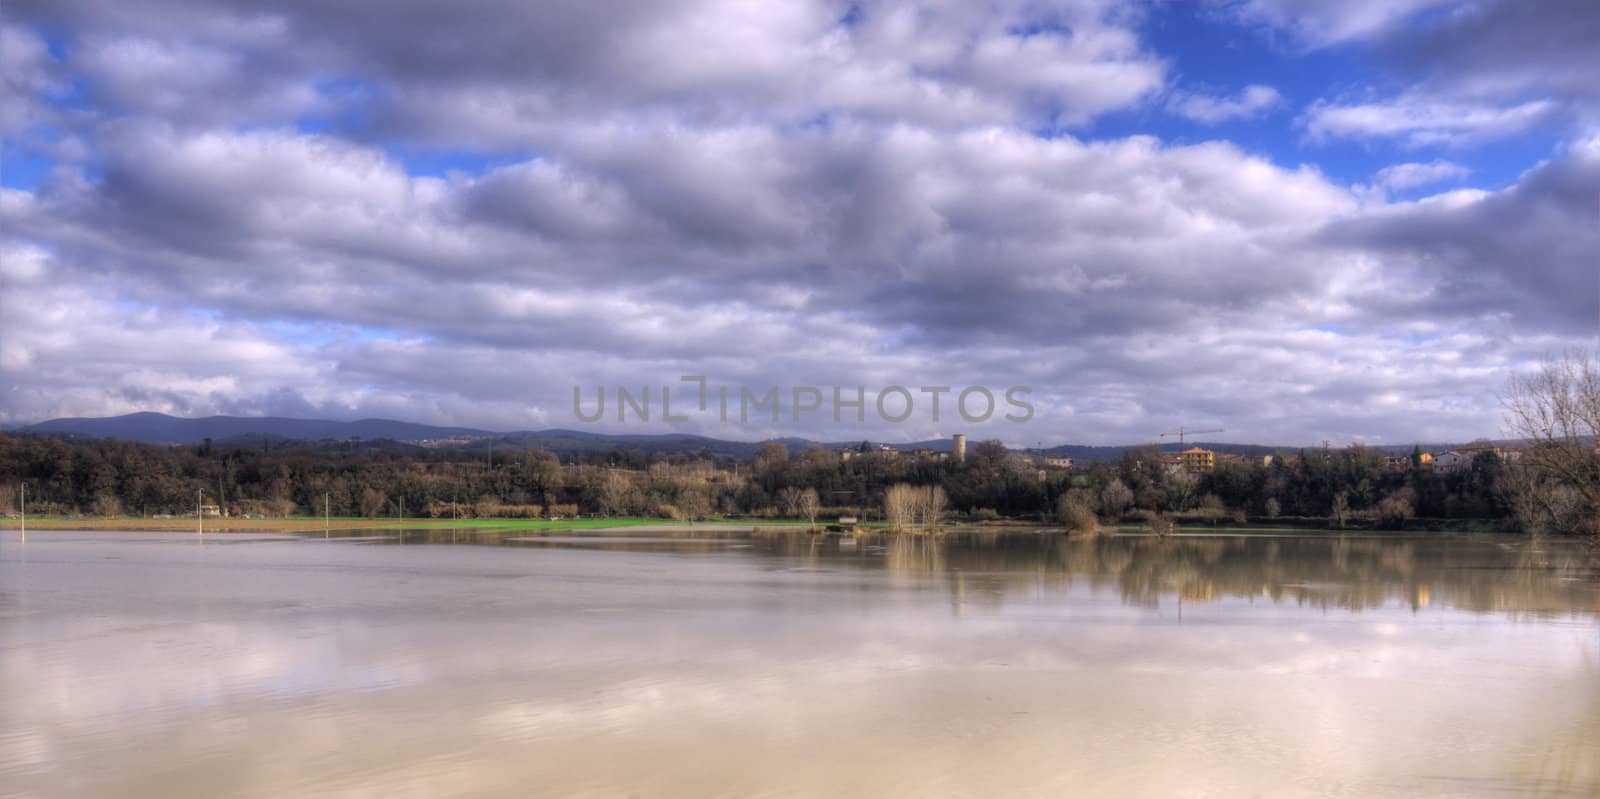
<point x="846" y="524"/>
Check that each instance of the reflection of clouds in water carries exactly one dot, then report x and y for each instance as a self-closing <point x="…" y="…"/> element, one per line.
<point x="480" y="673"/>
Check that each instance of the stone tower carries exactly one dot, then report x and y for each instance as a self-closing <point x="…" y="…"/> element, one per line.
<point x="959" y="448"/>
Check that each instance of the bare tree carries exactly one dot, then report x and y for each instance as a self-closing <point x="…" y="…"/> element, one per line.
<point x="1160" y="524"/>
<point x="900" y="505"/>
<point x="1555" y="479"/>
<point x="694" y="503"/>
<point x="809" y="504"/>
<point x="1397" y="509"/>
<point x="617" y="495"/>
<point x="372" y="501"/>
<point x="931" y="501"/>
<point x="789" y="497"/>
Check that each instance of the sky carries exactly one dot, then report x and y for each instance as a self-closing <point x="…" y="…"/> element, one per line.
<point x="1290" y="220"/>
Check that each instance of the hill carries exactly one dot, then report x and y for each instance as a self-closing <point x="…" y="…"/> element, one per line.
<point x="272" y="431"/>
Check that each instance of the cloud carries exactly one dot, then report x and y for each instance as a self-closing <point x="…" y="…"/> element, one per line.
<point x="896" y="194"/>
<point x="1317" y="24"/>
<point x="947" y="64"/>
<point x="1400" y="177"/>
<point x="1416" y="121"/>
<point x="1520" y="258"/>
<point x="1467" y="72"/>
<point x="1209" y="110"/>
<point x="1094" y="271"/>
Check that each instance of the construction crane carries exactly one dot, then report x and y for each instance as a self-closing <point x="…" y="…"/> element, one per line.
<point x="1183" y="431"/>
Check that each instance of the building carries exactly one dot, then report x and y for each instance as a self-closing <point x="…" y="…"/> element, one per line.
<point x="958" y="447"/>
<point x="1452" y="461"/>
<point x="1057" y="462"/>
<point x="1196" y="459"/>
<point x="1403" y="463"/>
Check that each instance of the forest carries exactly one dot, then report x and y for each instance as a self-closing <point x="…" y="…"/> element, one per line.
<point x="1345" y="487"/>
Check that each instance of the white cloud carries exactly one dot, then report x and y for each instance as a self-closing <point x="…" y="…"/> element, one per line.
<point x="764" y="197"/>
<point x="1315" y="23"/>
<point x="1419" y="121"/>
<point x="1400" y="177"/>
<point x="1129" y="282"/>
<point x="1210" y="110"/>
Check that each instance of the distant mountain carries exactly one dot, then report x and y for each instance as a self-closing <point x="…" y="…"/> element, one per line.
<point x="159" y="428"/>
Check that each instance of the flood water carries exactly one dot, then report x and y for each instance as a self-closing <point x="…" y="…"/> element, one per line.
<point x="718" y="664"/>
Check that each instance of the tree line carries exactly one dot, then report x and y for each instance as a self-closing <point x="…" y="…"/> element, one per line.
<point x="1552" y="486"/>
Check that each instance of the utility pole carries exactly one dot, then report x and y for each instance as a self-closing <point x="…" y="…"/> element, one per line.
<point x="325" y="514"/>
<point x="199" y="510"/>
<point x="24" y="513"/>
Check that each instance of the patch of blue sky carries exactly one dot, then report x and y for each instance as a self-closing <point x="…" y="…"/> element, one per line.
<point x="302" y="333"/>
<point x="1210" y="54"/>
<point x="424" y="161"/>
<point x="23" y="167"/>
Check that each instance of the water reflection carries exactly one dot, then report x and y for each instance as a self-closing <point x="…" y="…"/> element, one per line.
<point x="1510" y="575"/>
<point x="710" y="662"/>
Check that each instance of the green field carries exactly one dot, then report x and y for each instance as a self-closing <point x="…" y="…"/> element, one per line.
<point x="317" y="523"/>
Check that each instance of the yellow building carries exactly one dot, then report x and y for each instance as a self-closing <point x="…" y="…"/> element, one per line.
<point x="1198" y="460"/>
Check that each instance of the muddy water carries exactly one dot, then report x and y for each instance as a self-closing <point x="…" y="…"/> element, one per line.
<point x="718" y="664"/>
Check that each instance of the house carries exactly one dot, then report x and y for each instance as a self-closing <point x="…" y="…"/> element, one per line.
<point x="1452" y="461"/>
<point x="1057" y="462"/>
<point x="1196" y="459"/>
<point x="210" y="510"/>
<point x="1403" y="463"/>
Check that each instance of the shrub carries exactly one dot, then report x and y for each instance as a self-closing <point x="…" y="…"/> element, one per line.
<point x="1394" y="512"/>
<point x="1158" y="523"/>
<point x="1075" y="511"/>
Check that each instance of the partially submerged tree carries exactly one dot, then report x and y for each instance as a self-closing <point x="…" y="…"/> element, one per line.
<point x="1159" y="524"/>
<point x="906" y="506"/>
<point x="1555" y="479"/>
<point x="899" y="506"/>
<point x="808" y="504"/>
<point x="932" y="506"/>
<point x="789" y="498"/>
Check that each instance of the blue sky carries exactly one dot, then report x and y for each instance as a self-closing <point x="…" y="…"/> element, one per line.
<point x="1294" y="219"/>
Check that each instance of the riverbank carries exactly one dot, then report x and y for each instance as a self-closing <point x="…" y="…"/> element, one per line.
<point x="304" y="524"/>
